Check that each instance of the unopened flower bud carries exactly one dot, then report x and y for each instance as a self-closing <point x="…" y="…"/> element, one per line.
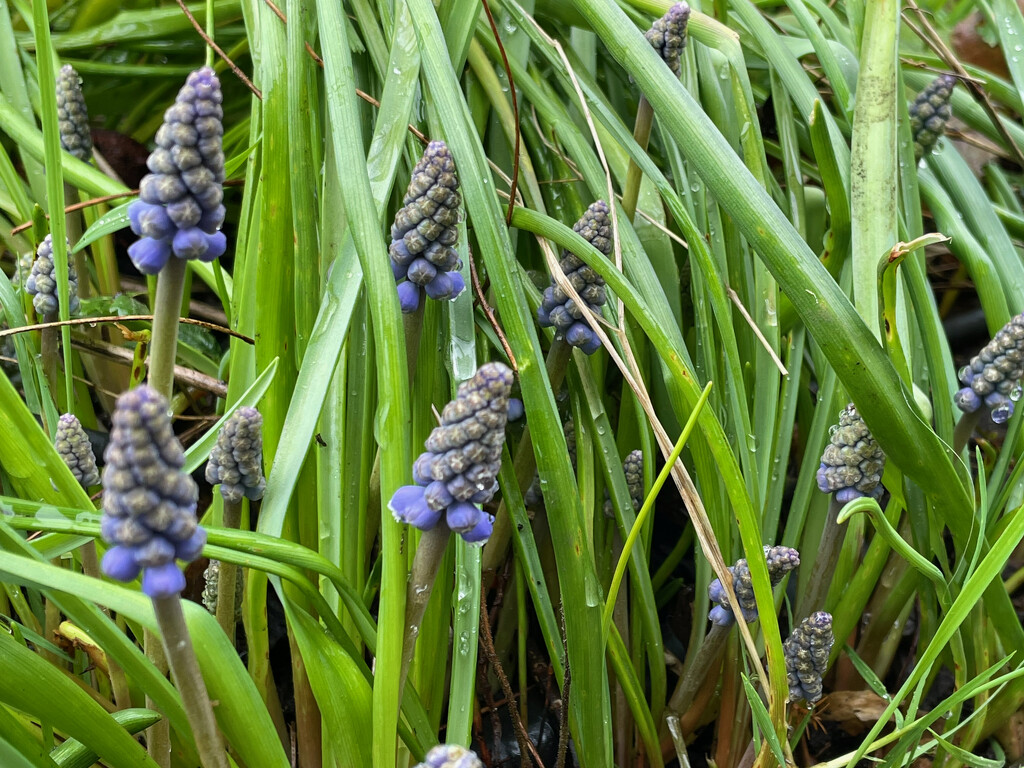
<point x="236" y="461"/>
<point x="780" y="561"/>
<point x="806" y="652"/>
<point x="929" y="113"/>
<point x="852" y="463"/>
<point x="668" y="36"/>
<point x="72" y="115"/>
<point x="993" y="376"/>
<point x="41" y="283"/>
<point x="74" y="447"/>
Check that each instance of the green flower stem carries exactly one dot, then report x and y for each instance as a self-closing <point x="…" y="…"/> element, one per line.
<point x="425" y="566"/>
<point x="158" y="736"/>
<point x="170" y="287"/>
<point x="73" y="229"/>
<point x="525" y="465"/>
<point x="48" y="349"/>
<point x="228" y="578"/>
<point x="185" y="671"/>
<point x="413" y="324"/>
<point x="642" y="135"/>
<point x="824" y="562"/>
<point x="965" y="427"/>
<point x="706" y="659"/>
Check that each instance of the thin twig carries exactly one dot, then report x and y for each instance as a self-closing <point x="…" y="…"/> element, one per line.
<point x="489" y="312"/>
<point x="757" y="331"/>
<point x="515" y="112"/>
<point x="220" y="52"/>
<point x="526" y="747"/>
<point x="121" y="319"/>
<point x="563" y="714"/>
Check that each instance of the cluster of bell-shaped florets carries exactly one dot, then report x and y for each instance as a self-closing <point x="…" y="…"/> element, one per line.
<point x="425" y="232"/>
<point x="557" y="308"/>
<point x="41" y="283"/>
<point x="993" y="376"/>
<point x="668" y="36"/>
<point x="209" y="597"/>
<point x="72" y="115"/>
<point x="450" y="756"/>
<point x="633" y="468"/>
<point x="780" y="561"/>
<point x="929" y="112"/>
<point x="460" y="467"/>
<point x="806" y="651"/>
<point x="74" y="447"/>
<point x="149" y="502"/>
<point x="852" y="463"/>
<point x="180" y="210"/>
<point x="236" y="461"/>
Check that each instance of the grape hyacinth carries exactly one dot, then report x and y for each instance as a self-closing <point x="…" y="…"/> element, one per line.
<point x="668" y="36"/>
<point x="929" y="112"/>
<point x="460" y="466"/>
<point x="633" y="468"/>
<point x="806" y="652"/>
<point x="562" y="312"/>
<point x="993" y="376"/>
<point x="236" y="461"/>
<point x="72" y="115"/>
<point x="149" y="503"/>
<point x="425" y="232"/>
<point x="450" y="756"/>
<point x="180" y="210"/>
<point x="41" y="283"/>
<point x="852" y="463"/>
<point x="211" y="577"/>
<point x="780" y="561"/>
<point x="74" y="447"/>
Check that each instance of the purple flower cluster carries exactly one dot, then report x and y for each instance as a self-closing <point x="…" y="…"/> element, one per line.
<point x="852" y="463"/>
<point x="74" y="447"/>
<point x="72" y="115"/>
<point x="929" y="113"/>
<point x="41" y="283"/>
<point x="149" y="503"/>
<point x="806" y="651"/>
<point x="425" y="232"/>
<point x="236" y="461"/>
<point x="780" y="561"/>
<point x="556" y="308"/>
<point x="633" y="468"/>
<point x="460" y="466"/>
<point x="450" y="756"/>
<point x="180" y="210"/>
<point x="993" y="376"/>
<point x="668" y="36"/>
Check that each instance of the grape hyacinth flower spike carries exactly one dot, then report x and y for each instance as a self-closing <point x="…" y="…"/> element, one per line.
<point x="179" y="211"/>
<point x="992" y="378"/>
<point x="236" y="461"/>
<point x="929" y="112"/>
<point x="633" y="468"/>
<point x="806" y="651"/>
<point x="852" y="463"/>
<point x="74" y="447"/>
<point x="41" y="283"/>
<point x="780" y="561"/>
<point x="461" y="463"/>
<point x="668" y="36"/>
<point x="425" y="232"/>
<point x="149" y="502"/>
<point x="450" y="756"/>
<point x="562" y="312"/>
<point x="72" y="115"/>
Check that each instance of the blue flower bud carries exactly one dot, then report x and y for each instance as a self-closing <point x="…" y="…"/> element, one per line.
<point x="149" y="503"/>
<point x="236" y="461"/>
<point x="180" y="210"/>
<point x="426" y="230"/>
<point x="929" y="113"/>
<point x="668" y="36"/>
<point x="852" y="463"/>
<point x="450" y="756"/>
<point x="806" y="652"/>
<point x="515" y="409"/>
<point x="72" y="115"/>
<point x="41" y="283"/>
<point x="560" y="311"/>
<point x="459" y="468"/>
<point x="780" y="561"/>
<point x="993" y="376"/>
<point x="74" y="447"/>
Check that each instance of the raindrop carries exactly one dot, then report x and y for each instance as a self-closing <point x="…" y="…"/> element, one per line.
<point x="1002" y="412"/>
<point x="964" y="374"/>
<point x="1016" y="392"/>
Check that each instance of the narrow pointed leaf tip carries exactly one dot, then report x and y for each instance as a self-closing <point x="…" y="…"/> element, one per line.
<point x="425" y="232"/>
<point x="852" y="463"/>
<point x="780" y="561"/>
<point x="180" y="207"/>
<point x="557" y="308"/>
<point x="149" y="503"/>
<point x="459" y="468"/>
<point x="992" y="378"/>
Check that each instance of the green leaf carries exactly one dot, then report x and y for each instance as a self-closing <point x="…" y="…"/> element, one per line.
<point x="112" y="221"/>
<point x="73" y="754"/>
